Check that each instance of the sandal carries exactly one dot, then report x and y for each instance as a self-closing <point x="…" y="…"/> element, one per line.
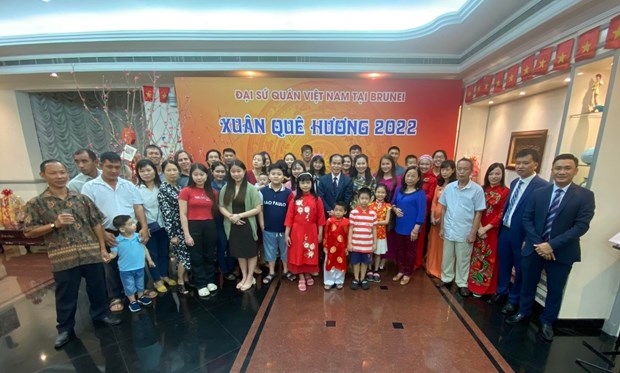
<point x="339" y="286"/>
<point x="150" y="293"/>
<point x="301" y="285"/>
<point x="258" y="271"/>
<point x="268" y="278"/>
<point x="310" y="281"/>
<point x="116" y="305"/>
<point x="398" y="277"/>
<point x="161" y="288"/>
<point x="405" y="280"/>
<point x="182" y="289"/>
<point x="290" y="276"/>
<point x="328" y="287"/>
<point x="169" y="281"/>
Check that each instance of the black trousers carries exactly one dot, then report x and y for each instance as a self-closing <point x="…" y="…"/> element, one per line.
<point x="67" y="289"/>
<point x="202" y="254"/>
<point x="112" y="275"/>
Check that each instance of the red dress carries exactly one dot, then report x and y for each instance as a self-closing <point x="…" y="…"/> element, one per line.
<point x="304" y="217"/>
<point x="483" y="268"/>
<point x="430" y="183"/>
<point x="335" y="243"/>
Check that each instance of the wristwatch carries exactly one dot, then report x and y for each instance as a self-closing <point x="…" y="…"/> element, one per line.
<point x="53" y="226"/>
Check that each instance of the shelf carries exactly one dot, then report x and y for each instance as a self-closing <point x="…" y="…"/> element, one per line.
<point x="595" y="115"/>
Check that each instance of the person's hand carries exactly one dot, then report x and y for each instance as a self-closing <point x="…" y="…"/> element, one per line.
<point x="189" y="241"/>
<point x="288" y="240"/>
<point x="414" y="235"/>
<point x="349" y="248"/>
<point x="399" y="213"/>
<point x="145" y="234"/>
<point x="110" y="240"/>
<point x="545" y="251"/>
<point x="471" y="238"/>
<point x="63" y="219"/>
<point x="174" y="240"/>
<point x="151" y="264"/>
<point x="441" y="233"/>
<point x="320" y="239"/>
<point x="330" y="212"/>
<point x="105" y="255"/>
<point x="482" y="231"/>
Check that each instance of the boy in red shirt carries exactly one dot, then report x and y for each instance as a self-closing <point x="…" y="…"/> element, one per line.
<point x="362" y="238"/>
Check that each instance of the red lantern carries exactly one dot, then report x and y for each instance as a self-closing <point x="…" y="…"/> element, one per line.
<point x="129" y="136"/>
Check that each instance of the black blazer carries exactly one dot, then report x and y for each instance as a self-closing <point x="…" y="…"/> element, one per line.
<point x="571" y="222"/>
<point x="344" y="192"/>
<point x="516" y="232"/>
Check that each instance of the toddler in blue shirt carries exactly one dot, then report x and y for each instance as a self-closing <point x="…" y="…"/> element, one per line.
<point x="131" y="254"/>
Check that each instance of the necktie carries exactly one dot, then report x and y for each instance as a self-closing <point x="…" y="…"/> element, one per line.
<point x="553" y="211"/>
<point x="335" y="185"/>
<point x="512" y="202"/>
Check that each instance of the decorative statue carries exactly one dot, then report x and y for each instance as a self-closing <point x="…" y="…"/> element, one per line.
<point x="596" y="85"/>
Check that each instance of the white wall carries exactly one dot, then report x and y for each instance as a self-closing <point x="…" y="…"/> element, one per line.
<point x="20" y="154"/>
<point x="472" y="132"/>
<point x="542" y="111"/>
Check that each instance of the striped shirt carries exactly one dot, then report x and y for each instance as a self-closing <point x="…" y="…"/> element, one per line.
<point x="362" y="224"/>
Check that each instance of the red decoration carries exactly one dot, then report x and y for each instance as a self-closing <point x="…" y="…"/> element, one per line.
<point x="586" y="44"/>
<point x="128" y="135"/>
<point x="612" y="41"/>
<point x="511" y="76"/>
<point x="527" y="68"/>
<point x="562" y="55"/>
<point x="498" y="85"/>
<point x="163" y="94"/>
<point x="148" y="92"/>
<point x="469" y="94"/>
<point x="483" y="86"/>
<point x="543" y="61"/>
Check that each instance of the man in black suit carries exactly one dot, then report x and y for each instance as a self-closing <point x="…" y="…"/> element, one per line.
<point x="335" y="186"/>
<point x="555" y="218"/>
<point x="511" y="232"/>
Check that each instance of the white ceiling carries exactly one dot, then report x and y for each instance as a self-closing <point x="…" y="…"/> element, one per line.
<point x="484" y="35"/>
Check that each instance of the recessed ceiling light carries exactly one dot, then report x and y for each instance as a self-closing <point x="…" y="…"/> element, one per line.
<point x="490" y="102"/>
<point x="46" y="1"/>
<point x="567" y="80"/>
<point x="522" y="93"/>
<point x="374" y="75"/>
<point x="580" y="73"/>
<point x="54" y="75"/>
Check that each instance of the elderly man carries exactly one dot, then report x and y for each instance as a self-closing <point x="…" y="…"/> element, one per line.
<point x="71" y="226"/>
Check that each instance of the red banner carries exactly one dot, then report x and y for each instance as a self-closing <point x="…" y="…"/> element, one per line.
<point x="543" y="61"/>
<point x="469" y="93"/>
<point x="483" y="86"/>
<point x="612" y="41"/>
<point x="527" y="68"/>
<point x="498" y="84"/>
<point x="148" y="91"/>
<point x="511" y="76"/>
<point x="163" y="94"/>
<point x="586" y="44"/>
<point x="562" y="55"/>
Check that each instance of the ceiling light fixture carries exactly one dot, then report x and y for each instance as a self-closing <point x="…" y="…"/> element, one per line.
<point x="54" y="75"/>
<point x="522" y="93"/>
<point x="374" y="75"/>
<point x="580" y="73"/>
<point x="490" y="102"/>
<point x="567" y="80"/>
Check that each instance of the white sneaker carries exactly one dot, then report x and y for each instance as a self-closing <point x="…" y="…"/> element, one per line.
<point x="204" y="292"/>
<point x="212" y="287"/>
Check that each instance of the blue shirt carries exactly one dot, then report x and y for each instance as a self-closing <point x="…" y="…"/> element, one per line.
<point x="414" y="210"/>
<point x="113" y="202"/>
<point x="130" y="253"/>
<point x="275" y="204"/>
<point x="461" y="207"/>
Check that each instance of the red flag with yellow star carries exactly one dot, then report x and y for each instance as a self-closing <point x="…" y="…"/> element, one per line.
<point x="586" y="44"/>
<point x="543" y="61"/>
<point x="147" y="91"/>
<point x="562" y="55"/>
<point x="483" y="86"/>
<point x="511" y="76"/>
<point x="527" y="68"/>
<point x="163" y="94"/>
<point x="612" y="41"/>
<point x="469" y="93"/>
<point x="498" y="83"/>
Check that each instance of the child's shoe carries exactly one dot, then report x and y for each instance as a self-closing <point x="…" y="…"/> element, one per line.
<point x="145" y="301"/>
<point x="355" y="285"/>
<point x="134" y="307"/>
<point x="376" y="277"/>
<point x="365" y="285"/>
<point x="369" y="276"/>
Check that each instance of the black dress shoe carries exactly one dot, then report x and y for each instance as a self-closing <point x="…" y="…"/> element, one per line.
<point x="546" y="332"/>
<point x="63" y="338"/>
<point x="509" y="309"/>
<point x="443" y="284"/>
<point x="515" y="319"/>
<point x="108" y="321"/>
<point x="498" y="299"/>
<point x="464" y="292"/>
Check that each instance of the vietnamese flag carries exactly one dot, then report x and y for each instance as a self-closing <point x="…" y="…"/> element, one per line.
<point x="527" y="68"/>
<point x="498" y="84"/>
<point x="148" y="91"/>
<point x="612" y="41"/>
<point x="511" y="76"/>
<point x="483" y="86"/>
<point x="586" y="44"/>
<point x="562" y="55"/>
<point x="469" y="93"/>
<point x="543" y="61"/>
<point x="163" y="94"/>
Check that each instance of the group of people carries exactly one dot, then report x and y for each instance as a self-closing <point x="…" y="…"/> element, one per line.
<point x="426" y="214"/>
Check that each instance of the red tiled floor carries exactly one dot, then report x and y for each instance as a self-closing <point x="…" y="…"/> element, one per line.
<point x="434" y="339"/>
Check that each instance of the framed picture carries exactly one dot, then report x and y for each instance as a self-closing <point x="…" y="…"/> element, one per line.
<point x="526" y="140"/>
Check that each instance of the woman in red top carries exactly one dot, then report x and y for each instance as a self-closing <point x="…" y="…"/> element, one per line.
<point x="258" y="168"/>
<point x="198" y="207"/>
<point x="425" y="164"/>
<point x="483" y="268"/>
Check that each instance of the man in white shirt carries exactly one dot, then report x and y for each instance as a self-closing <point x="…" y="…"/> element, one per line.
<point x="115" y="196"/>
<point x="86" y="163"/>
